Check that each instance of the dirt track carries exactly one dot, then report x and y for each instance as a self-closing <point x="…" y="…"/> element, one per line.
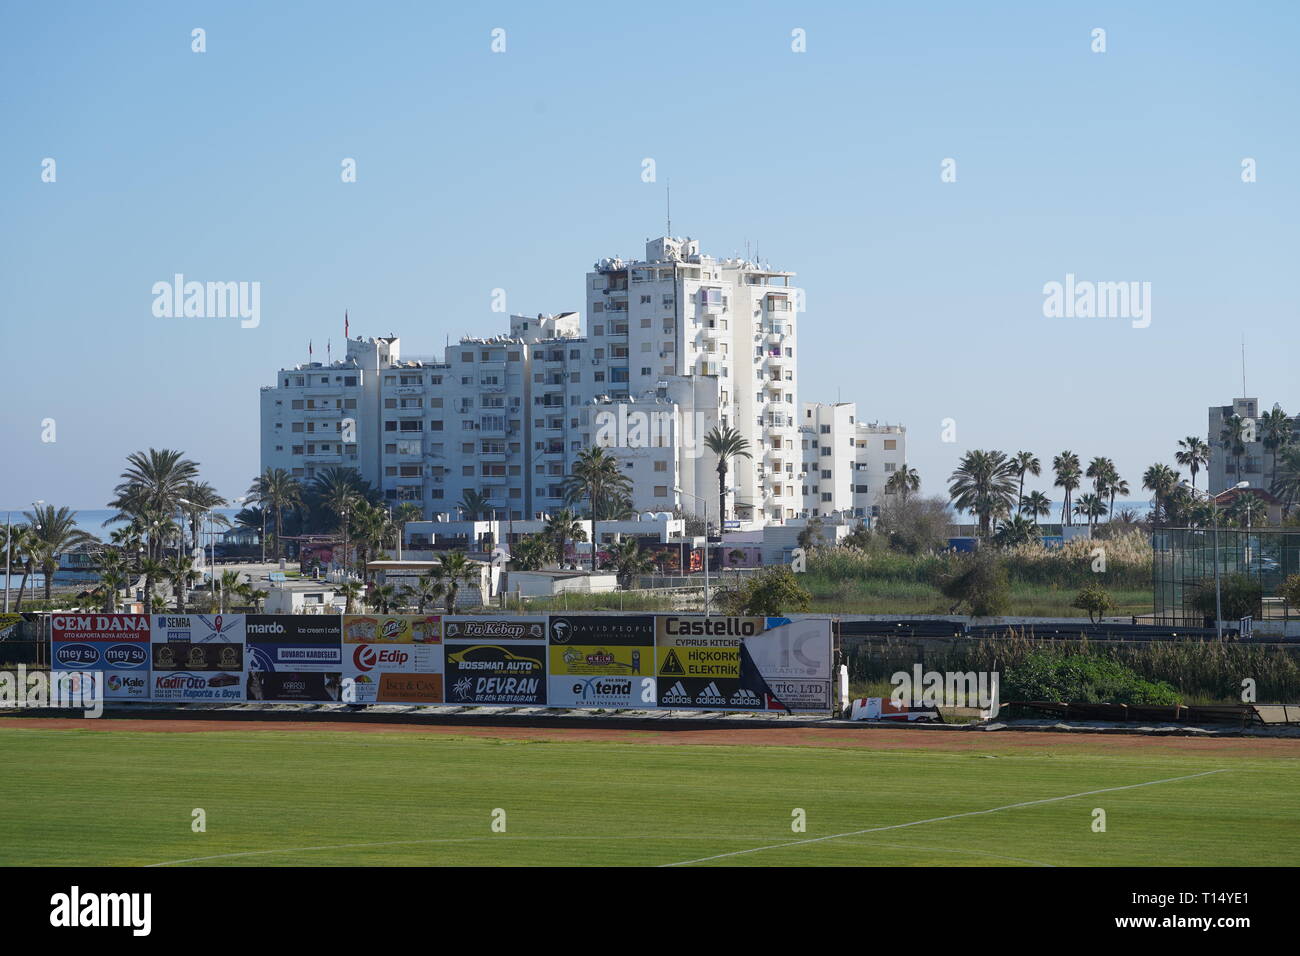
<point x="874" y="738"/>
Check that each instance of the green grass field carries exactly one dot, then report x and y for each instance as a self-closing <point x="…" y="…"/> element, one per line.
<point x="76" y="797"/>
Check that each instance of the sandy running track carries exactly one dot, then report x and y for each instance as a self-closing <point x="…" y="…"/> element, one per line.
<point x="873" y="738"/>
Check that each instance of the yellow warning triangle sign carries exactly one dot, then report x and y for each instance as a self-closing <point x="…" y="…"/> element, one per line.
<point x="671" y="666"/>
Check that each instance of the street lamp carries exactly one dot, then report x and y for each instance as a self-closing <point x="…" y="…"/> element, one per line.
<point x="1218" y="592"/>
<point x="704" y="504"/>
<point x="212" y="533"/>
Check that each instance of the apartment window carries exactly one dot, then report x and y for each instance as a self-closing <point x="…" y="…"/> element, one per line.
<point x="661" y="491"/>
<point x="467" y="356"/>
<point x="661" y="465"/>
<point x="826" y="496"/>
<point x="890" y="466"/>
<point x="891" y="444"/>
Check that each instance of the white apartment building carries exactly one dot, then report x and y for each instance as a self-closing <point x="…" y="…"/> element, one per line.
<point x="1257" y="461"/>
<point x="676" y="343"/>
<point x="846" y="462"/>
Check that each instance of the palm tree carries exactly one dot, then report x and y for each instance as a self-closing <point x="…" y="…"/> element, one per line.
<point x="53" y="531"/>
<point x="904" y="481"/>
<point x="201" y="498"/>
<point x="381" y="597"/>
<point x="1160" y="480"/>
<point x="1016" y="530"/>
<point x="1116" y="486"/>
<point x="563" y="527"/>
<point x="1247" y="510"/>
<point x="984" y="484"/>
<point x="350" y="590"/>
<point x="1066" y="466"/>
<point x="151" y="489"/>
<point x="229" y="584"/>
<point x="1090" y="507"/>
<point x="276" y="489"/>
<point x="112" y="576"/>
<point x="154" y="571"/>
<point x="1036" y="505"/>
<point x="181" y="573"/>
<point x="424" y="592"/>
<point x="474" y="504"/>
<point x="728" y="444"/>
<point x="532" y="553"/>
<point x="454" y="569"/>
<point x="598" y="478"/>
<point x="1275" y="432"/>
<point x="20" y="556"/>
<point x="629" y="561"/>
<point x="1194" y="456"/>
<point x="1231" y="436"/>
<point x="1026" y="462"/>
<point x="339" y="495"/>
<point x="1286" y="481"/>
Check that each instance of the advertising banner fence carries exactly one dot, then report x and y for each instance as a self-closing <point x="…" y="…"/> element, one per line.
<point x="198" y="658"/>
<point x="294" y="657"/>
<point x="496" y="661"/>
<point x="602" y="661"/>
<point x="593" y="661"/>
<point x="115" y="644"/>
<point x="392" y="659"/>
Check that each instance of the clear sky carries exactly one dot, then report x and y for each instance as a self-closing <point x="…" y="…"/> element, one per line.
<point x="478" y="170"/>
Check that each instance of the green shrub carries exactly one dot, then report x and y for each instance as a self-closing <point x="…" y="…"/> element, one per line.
<point x="1076" y="678"/>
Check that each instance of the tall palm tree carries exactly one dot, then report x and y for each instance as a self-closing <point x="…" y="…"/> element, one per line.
<point x="1036" y="505"/>
<point x="19" y="555"/>
<point x="597" y="477"/>
<point x="727" y="444"/>
<point x="52" y="532"/>
<point x="202" y="498"/>
<point x="1286" y="483"/>
<point x="1026" y="462"/>
<point x="151" y="488"/>
<point x="1274" y="432"/>
<point x="454" y="570"/>
<point x="338" y="492"/>
<point x="1116" y="486"/>
<point x="153" y="571"/>
<point x="905" y="481"/>
<point x="1232" y="438"/>
<point x="983" y="483"/>
<point x="181" y="573"/>
<point x="1091" y="507"/>
<point x="112" y="576"/>
<point x="1194" y="456"/>
<point x="562" y="527"/>
<point x="1161" y="481"/>
<point x="1068" y="477"/>
<point x="276" y="489"/>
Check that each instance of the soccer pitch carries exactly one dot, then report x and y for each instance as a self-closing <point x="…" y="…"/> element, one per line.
<point x="79" y="797"/>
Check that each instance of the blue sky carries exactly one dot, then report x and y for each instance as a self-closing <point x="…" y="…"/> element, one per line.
<point x="518" y="170"/>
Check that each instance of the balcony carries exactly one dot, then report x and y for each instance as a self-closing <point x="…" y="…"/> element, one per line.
<point x="319" y="413"/>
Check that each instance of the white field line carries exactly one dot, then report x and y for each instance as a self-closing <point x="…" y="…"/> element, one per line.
<point x="951" y="816"/>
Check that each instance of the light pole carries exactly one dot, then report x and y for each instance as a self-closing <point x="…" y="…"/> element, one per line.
<point x="704" y="504"/>
<point x="1218" y="591"/>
